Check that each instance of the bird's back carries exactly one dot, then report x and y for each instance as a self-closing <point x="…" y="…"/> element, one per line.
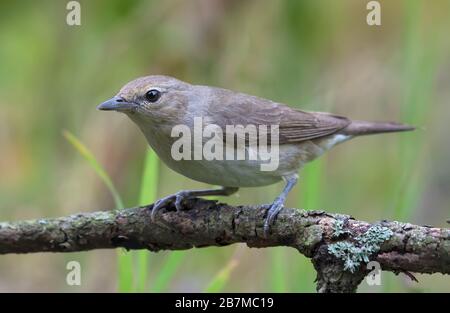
<point x="226" y="107"/>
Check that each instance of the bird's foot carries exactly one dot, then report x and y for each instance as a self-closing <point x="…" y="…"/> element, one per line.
<point x="188" y="194"/>
<point x="272" y="213"/>
<point x="163" y="202"/>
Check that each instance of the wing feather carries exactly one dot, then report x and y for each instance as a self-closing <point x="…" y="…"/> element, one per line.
<point x="230" y="108"/>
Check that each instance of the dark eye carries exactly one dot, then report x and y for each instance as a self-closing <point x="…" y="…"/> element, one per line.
<point x="152" y="95"/>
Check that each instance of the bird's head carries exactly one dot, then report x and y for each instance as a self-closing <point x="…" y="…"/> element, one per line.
<point x="156" y="98"/>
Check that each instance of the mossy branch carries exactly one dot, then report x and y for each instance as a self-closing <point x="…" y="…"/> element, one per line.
<point x="338" y="245"/>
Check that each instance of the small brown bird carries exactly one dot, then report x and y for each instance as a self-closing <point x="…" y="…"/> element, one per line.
<point x="159" y="104"/>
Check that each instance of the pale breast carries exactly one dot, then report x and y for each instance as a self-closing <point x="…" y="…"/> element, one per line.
<point x="240" y="173"/>
<point x="244" y="173"/>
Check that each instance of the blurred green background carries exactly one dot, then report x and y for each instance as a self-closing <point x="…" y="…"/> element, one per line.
<point x="317" y="55"/>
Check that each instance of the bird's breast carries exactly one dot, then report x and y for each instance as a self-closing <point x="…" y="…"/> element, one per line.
<point x="234" y="172"/>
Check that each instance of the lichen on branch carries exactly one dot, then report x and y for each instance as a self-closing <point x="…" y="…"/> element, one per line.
<point x="360" y="248"/>
<point x="337" y="244"/>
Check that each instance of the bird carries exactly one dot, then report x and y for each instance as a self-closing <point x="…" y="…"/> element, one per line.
<point x="158" y="104"/>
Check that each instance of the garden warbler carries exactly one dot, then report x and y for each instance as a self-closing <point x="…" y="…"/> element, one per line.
<point x="165" y="108"/>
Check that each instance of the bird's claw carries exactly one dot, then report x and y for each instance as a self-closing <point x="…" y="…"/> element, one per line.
<point x="161" y="203"/>
<point x="272" y="213"/>
<point x="179" y="197"/>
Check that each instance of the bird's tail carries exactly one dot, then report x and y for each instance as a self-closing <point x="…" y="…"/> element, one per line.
<point x="359" y="128"/>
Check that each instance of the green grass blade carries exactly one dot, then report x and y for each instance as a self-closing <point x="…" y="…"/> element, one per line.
<point x="311" y="187"/>
<point x="89" y="156"/>
<point x="125" y="260"/>
<point x="166" y="273"/>
<point x="419" y="69"/>
<point x="220" y="280"/>
<point x="125" y="271"/>
<point x="279" y="277"/>
<point x="149" y="190"/>
<point x="147" y="195"/>
<point x="143" y="263"/>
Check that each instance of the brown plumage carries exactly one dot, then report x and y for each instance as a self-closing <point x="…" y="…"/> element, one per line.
<point x="360" y="128"/>
<point x="232" y="108"/>
<point x="157" y="104"/>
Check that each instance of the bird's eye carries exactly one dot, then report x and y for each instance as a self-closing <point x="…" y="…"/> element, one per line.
<point x="152" y="95"/>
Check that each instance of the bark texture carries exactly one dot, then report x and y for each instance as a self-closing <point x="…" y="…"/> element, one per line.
<point x="338" y="245"/>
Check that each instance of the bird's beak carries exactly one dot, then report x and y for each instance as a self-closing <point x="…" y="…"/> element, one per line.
<point x="116" y="104"/>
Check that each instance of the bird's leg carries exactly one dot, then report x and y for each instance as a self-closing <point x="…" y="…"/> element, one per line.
<point x="278" y="204"/>
<point x="185" y="194"/>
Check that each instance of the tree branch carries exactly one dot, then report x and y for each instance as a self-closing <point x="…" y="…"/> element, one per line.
<point x="338" y="245"/>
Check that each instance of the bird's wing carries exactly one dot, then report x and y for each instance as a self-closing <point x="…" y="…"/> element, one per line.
<point x="230" y="108"/>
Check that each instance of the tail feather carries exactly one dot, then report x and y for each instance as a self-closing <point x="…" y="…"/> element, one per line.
<point x="359" y="128"/>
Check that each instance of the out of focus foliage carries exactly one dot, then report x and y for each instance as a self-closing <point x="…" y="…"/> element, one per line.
<point x="311" y="54"/>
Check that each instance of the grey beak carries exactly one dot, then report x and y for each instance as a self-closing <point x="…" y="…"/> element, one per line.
<point x="116" y="104"/>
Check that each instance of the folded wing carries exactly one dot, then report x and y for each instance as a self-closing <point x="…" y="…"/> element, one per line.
<point x="230" y="108"/>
